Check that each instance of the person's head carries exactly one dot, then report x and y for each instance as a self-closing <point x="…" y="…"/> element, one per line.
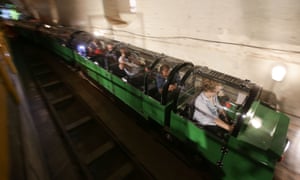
<point x="109" y="47"/>
<point x="164" y="70"/>
<point x="211" y="86"/>
<point x="123" y="50"/>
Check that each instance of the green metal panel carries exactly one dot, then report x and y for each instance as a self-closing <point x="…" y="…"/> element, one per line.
<point x="279" y="139"/>
<point x="154" y="110"/>
<point x="104" y="78"/>
<point x="63" y="51"/>
<point x="116" y="80"/>
<point x="265" y="128"/>
<point x="127" y="93"/>
<point x="105" y="82"/>
<point x="133" y="100"/>
<point x="103" y="73"/>
<point x="79" y="59"/>
<point x="187" y="131"/>
<point x="92" y="74"/>
<point x="87" y="63"/>
<point x="91" y="65"/>
<point x="243" y="162"/>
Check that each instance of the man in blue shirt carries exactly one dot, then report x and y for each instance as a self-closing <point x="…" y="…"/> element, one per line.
<point x="162" y="77"/>
<point x="208" y="108"/>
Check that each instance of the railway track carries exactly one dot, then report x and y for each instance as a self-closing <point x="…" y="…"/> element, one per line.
<point x="94" y="147"/>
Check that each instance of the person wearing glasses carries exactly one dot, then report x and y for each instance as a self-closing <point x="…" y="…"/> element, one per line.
<point x="208" y="108"/>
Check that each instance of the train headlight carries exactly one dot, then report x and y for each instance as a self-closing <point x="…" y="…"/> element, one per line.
<point x="256" y="122"/>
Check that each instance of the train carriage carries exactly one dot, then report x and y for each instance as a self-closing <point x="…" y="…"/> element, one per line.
<point x="157" y="106"/>
<point x="138" y="90"/>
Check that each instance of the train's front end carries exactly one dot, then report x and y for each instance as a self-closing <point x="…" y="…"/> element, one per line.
<point x="259" y="137"/>
<point x="265" y="129"/>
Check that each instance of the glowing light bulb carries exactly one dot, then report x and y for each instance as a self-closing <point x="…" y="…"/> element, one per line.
<point x="132" y="6"/>
<point x="278" y="73"/>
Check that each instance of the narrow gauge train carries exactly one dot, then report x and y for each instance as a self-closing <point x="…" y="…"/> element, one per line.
<point x="251" y="151"/>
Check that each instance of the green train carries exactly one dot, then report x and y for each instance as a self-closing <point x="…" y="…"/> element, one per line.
<point x="250" y="151"/>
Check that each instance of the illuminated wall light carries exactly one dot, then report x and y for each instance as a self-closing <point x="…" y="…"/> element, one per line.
<point x="278" y="73"/>
<point x="132" y="4"/>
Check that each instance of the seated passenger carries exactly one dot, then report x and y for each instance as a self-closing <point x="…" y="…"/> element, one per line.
<point x="120" y="70"/>
<point x="162" y="77"/>
<point x="96" y="53"/>
<point x="123" y="55"/>
<point x="94" y="49"/>
<point x="208" y="108"/>
<point x="130" y="66"/>
<point x="110" y="56"/>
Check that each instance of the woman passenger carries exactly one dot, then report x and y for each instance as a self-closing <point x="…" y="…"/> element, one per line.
<point x="208" y="108"/>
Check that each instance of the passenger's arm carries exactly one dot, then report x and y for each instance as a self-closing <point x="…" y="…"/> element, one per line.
<point x="223" y="125"/>
<point x="172" y="87"/>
